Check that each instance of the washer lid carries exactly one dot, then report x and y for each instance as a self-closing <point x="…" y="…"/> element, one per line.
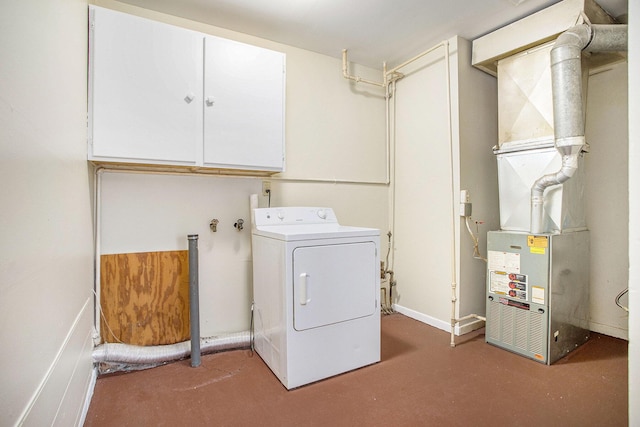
<point x="313" y="231"/>
<point x="303" y="223"/>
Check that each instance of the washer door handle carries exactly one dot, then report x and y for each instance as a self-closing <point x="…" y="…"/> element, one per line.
<point x="304" y="282"/>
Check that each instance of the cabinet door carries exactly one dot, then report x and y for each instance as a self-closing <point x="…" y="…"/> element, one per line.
<point x="244" y="106"/>
<point x="145" y="100"/>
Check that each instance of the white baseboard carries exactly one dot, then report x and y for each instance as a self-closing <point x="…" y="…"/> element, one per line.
<point x="470" y="326"/>
<point x="608" y="330"/>
<point x="87" y="397"/>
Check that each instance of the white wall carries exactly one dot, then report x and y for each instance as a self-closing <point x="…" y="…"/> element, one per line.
<point x="634" y="214"/>
<point x="478" y="115"/>
<point x="152" y="212"/>
<point x="423" y="189"/>
<point x="335" y="156"/>
<point x="606" y="197"/>
<point x="422" y="221"/>
<point x="46" y="244"/>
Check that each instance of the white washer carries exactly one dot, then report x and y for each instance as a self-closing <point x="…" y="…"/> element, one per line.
<point x="316" y="287"/>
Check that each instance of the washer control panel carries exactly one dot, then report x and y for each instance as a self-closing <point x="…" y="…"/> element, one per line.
<point x="294" y="215"/>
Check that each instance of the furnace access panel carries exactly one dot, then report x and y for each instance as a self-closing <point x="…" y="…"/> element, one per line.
<point x="538" y="293"/>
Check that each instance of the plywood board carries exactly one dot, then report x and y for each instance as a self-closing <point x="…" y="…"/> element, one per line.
<point x="144" y="297"/>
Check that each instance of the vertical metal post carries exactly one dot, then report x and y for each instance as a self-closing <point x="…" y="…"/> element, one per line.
<point x="194" y="301"/>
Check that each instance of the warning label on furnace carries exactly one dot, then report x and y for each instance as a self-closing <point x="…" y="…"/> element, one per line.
<point x="538" y="244"/>
<point x="504" y="261"/>
<point x="513" y="285"/>
<point x="537" y="294"/>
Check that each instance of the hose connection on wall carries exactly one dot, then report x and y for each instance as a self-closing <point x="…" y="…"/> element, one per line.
<point x="474" y="237"/>
<point x="620" y="295"/>
<point x="465" y="212"/>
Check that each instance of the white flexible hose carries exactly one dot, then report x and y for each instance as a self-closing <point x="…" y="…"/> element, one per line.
<point x="126" y="353"/>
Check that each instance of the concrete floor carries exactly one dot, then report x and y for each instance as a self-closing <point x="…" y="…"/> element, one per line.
<point x="421" y="381"/>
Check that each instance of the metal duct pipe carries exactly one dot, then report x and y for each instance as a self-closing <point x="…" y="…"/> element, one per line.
<point x="568" y="114"/>
<point x="194" y="300"/>
<point x="126" y="353"/>
<point x="609" y="38"/>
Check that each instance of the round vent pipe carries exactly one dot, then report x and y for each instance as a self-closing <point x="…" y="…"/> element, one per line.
<point x="568" y="115"/>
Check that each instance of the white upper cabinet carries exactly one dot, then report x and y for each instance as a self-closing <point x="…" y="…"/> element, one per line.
<point x="145" y="100"/>
<point x="244" y="105"/>
<point x="165" y="95"/>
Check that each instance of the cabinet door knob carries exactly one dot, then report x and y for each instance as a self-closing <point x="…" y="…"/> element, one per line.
<point x="190" y="97"/>
<point x="210" y="101"/>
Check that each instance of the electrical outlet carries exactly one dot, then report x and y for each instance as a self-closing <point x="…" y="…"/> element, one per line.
<point x="266" y="188"/>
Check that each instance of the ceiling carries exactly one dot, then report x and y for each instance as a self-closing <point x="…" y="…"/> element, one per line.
<point x="373" y="31"/>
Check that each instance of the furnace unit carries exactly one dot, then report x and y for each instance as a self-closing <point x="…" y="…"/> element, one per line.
<point x="538" y="293"/>
<point x="538" y="264"/>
